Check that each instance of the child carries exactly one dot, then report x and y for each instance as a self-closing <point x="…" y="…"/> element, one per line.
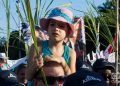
<point x="59" y="25"/>
<point x="21" y="73"/>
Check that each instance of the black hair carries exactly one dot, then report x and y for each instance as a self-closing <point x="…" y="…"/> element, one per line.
<point x="21" y="66"/>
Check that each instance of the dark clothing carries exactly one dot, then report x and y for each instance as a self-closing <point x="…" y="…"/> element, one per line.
<point x="8" y="78"/>
<point x="84" y="78"/>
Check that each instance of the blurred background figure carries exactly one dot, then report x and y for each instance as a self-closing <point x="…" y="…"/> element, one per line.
<point x="8" y="78"/>
<point x="26" y="33"/>
<point x="21" y="74"/>
<point x="3" y="62"/>
<point x="84" y="65"/>
<point x="40" y="34"/>
<point x="77" y="40"/>
<point x="105" y="69"/>
<point x="84" y="77"/>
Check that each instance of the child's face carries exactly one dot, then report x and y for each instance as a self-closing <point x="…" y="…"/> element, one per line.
<point x="57" y="30"/>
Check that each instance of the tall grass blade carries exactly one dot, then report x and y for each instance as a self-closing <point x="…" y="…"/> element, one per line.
<point x="7" y="10"/>
<point x="18" y="11"/>
<point x="32" y="26"/>
<point x="36" y="13"/>
<point x="42" y="8"/>
<point x="23" y="7"/>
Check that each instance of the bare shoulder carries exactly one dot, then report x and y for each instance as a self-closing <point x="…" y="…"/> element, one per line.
<point x="72" y="51"/>
<point x="72" y="60"/>
<point x="72" y="54"/>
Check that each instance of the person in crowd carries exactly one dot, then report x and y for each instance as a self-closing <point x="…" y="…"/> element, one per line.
<point x="105" y="69"/>
<point x="40" y="33"/>
<point x="3" y="62"/>
<point x="59" y="25"/>
<point x="74" y="41"/>
<point x="8" y="78"/>
<point x="83" y="64"/>
<point x="71" y="40"/>
<point x="84" y="77"/>
<point x="21" y="74"/>
<point x="54" y="75"/>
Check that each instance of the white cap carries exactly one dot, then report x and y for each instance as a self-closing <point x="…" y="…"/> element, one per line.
<point x="3" y="56"/>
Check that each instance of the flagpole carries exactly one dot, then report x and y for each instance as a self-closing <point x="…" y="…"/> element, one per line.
<point x="83" y="39"/>
<point x="97" y="43"/>
<point x="117" y="31"/>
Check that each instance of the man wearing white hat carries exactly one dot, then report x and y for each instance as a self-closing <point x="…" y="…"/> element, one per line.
<point x="3" y="62"/>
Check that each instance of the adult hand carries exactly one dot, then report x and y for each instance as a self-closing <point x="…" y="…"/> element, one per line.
<point x="77" y="23"/>
<point x="60" y="60"/>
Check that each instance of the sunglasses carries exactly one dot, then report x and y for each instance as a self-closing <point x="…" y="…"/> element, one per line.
<point x="51" y="80"/>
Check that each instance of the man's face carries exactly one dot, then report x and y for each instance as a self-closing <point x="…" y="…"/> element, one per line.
<point x="54" y="76"/>
<point x="107" y="75"/>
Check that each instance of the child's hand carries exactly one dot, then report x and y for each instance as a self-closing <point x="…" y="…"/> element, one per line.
<point x="60" y="60"/>
<point x="55" y="58"/>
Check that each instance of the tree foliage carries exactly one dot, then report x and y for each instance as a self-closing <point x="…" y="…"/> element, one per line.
<point x="106" y="16"/>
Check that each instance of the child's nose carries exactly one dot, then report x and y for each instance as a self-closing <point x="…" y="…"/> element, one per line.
<point x="56" y="26"/>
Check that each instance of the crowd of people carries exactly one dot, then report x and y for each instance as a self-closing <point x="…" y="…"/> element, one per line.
<point x="60" y="59"/>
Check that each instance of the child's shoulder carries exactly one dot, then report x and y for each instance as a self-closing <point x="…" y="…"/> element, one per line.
<point x="71" y="49"/>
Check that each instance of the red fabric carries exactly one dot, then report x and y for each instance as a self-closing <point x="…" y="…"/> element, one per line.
<point x="110" y="49"/>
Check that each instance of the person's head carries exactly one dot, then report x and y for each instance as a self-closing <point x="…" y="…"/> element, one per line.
<point x="59" y="23"/>
<point x="84" y="78"/>
<point x="104" y="68"/>
<point x="21" y="73"/>
<point x="83" y="64"/>
<point x="3" y="58"/>
<point x="8" y="78"/>
<point x="54" y="74"/>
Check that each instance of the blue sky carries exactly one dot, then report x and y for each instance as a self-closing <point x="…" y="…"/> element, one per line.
<point x="81" y="5"/>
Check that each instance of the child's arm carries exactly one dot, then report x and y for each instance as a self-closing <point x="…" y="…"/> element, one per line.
<point x="66" y="68"/>
<point x="60" y="60"/>
<point x="72" y="63"/>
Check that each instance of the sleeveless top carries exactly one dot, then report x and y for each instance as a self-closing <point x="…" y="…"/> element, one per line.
<point x="47" y="52"/>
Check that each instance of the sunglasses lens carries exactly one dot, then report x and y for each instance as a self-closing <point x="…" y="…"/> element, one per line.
<point x="51" y="80"/>
<point x="60" y="80"/>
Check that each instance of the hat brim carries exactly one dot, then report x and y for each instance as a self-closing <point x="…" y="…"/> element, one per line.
<point x="44" y="22"/>
<point x="107" y="66"/>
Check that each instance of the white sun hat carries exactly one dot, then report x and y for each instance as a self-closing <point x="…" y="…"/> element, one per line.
<point x="3" y="56"/>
